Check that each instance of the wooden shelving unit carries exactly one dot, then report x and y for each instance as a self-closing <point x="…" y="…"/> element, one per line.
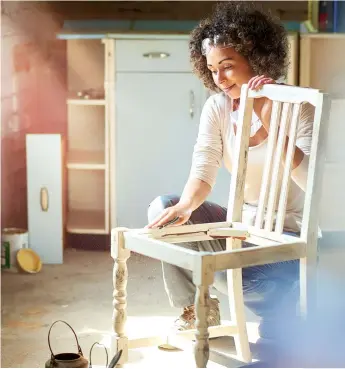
<point x="292" y="74"/>
<point x="87" y="153"/>
<point x="322" y="66"/>
<point x="322" y="62"/>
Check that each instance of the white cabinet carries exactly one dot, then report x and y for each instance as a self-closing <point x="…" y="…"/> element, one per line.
<point x="45" y="196"/>
<point x="157" y="117"/>
<point x="157" y="106"/>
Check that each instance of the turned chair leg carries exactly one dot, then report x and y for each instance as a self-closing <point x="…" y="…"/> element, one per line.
<point x="203" y="277"/>
<point x="202" y="308"/>
<point x="120" y="278"/>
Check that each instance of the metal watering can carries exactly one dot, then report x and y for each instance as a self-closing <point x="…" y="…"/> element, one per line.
<point x="75" y="360"/>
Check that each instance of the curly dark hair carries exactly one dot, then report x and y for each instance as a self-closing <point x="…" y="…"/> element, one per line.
<point x="255" y="34"/>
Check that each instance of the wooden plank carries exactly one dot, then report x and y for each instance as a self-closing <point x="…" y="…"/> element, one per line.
<point x="183" y="229"/>
<point x="181" y="238"/>
<point x="109" y="88"/>
<point x="108" y="120"/>
<point x="292" y="74"/>
<point x="259" y="255"/>
<point x="228" y="232"/>
<point x="162" y="251"/>
<point x="305" y="62"/>
<point x="202" y="236"/>
<point x="287" y="94"/>
<point x="210" y="231"/>
<point x="324" y="35"/>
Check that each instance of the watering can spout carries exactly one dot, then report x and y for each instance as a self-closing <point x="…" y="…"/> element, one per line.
<point x="115" y="359"/>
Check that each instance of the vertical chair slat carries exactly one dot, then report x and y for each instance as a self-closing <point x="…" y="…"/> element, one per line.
<point x="276" y="173"/>
<point x="266" y="177"/>
<point x="236" y="194"/>
<point x="287" y="169"/>
<point x="309" y="231"/>
<point x="234" y="214"/>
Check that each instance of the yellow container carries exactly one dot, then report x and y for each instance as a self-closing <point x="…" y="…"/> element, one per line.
<point x="29" y="261"/>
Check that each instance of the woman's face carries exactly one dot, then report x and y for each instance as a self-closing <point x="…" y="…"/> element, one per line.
<point x="230" y="70"/>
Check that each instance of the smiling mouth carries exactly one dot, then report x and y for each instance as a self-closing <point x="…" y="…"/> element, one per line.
<point x="227" y="89"/>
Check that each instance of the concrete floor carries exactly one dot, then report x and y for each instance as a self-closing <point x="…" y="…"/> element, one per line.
<point x="80" y="293"/>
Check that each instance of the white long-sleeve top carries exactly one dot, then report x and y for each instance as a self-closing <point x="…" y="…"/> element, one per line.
<point x="216" y="142"/>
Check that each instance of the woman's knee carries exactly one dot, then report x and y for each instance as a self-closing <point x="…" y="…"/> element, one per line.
<point x="159" y="204"/>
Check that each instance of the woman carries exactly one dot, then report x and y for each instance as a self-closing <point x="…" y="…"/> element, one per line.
<point x="237" y="45"/>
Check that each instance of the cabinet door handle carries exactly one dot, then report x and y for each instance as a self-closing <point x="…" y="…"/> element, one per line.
<point x="156" y="55"/>
<point x="191" y="104"/>
<point x="44" y="199"/>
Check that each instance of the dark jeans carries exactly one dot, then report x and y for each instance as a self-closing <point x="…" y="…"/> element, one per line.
<point x="271" y="291"/>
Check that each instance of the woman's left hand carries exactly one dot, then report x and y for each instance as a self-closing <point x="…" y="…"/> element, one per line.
<point x="257" y="82"/>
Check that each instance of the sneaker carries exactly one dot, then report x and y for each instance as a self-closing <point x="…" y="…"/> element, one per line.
<point x="187" y="319"/>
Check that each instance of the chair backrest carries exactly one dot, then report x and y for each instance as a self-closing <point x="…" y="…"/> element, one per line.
<point x="286" y="108"/>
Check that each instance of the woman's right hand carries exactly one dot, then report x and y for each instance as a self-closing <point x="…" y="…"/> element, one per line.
<point x="180" y="211"/>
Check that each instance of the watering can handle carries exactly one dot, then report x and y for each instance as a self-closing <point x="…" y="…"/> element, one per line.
<point x="79" y="348"/>
<point x="106" y="352"/>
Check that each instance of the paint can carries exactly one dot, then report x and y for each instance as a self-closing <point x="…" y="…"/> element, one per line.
<point x="12" y="240"/>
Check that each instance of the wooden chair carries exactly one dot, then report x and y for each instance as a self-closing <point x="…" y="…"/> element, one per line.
<point x="271" y="245"/>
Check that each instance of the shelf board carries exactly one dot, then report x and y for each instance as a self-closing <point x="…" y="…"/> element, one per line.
<point x="76" y="101"/>
<point x="86" y="222"/>
<point x="85" y="160"/>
